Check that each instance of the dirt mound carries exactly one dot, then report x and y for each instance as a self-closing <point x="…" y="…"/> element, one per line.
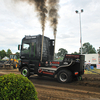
<point x="92" y="80"/>
<point x="91" y="77"/>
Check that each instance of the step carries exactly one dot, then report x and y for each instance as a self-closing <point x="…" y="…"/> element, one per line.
<point x="31" y="68"/>
<point x="48" y="68"/>
<point x="32" y="73"/>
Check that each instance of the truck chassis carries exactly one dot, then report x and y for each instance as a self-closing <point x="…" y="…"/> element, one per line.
<point x="65" y="71"/>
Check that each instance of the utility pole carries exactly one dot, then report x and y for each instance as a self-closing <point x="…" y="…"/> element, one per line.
<point x="80" y="26"/>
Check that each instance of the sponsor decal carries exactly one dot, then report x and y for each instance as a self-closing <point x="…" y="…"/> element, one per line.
<point x="54" y="62"/>
<point x="94" y="59"/>
<point x="53" y="67"/>
<point x="72" y="56"/>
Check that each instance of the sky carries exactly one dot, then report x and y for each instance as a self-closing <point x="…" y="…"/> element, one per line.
<point x="18" y="19"/>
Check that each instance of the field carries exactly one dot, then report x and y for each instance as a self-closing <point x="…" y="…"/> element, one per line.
<point x="50" y="89"/>
<point x="92" y="71"/>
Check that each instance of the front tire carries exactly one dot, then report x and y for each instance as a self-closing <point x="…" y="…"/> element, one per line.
<point x="25" y="72"/>
<point x="64" y="76"/>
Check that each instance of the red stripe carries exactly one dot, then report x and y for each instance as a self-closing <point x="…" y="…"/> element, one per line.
<point x="48" y="73"/>
<point x="55" y="62"/>
<point x="53" y="67"/>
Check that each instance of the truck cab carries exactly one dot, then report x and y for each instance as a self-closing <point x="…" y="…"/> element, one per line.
<point x="30" y="54"/>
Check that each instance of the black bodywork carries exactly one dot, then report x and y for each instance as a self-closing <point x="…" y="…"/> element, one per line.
<point x="31" y="48"/>
<point x="30" y="52"/>
<point x="30" y="55"/>
<point x="77" y="63"/>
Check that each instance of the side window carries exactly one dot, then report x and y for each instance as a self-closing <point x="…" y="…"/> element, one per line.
<point x="26" y="46"/>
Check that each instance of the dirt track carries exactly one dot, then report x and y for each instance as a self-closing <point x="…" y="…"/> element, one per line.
<point x="50" y="89"/>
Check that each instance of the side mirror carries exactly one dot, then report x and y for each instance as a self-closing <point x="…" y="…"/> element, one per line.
<point x="18" y="47"/>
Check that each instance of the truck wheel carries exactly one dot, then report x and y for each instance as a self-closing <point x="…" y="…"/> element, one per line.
<point x="25" y="72"/>
<point x="64" y="76"/>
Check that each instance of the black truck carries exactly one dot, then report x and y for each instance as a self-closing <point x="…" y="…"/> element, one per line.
<point x="72" y="66"/>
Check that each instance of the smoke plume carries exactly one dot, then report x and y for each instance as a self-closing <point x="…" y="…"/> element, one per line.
<point x="53" y="6"/>
<point x="41" y="9"/>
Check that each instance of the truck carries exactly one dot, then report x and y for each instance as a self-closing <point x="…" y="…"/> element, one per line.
<point x="93" y="58"/>
<point x="71" y="67"/>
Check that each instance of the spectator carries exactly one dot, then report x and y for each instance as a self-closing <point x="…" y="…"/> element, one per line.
<point x="89" y="64"/>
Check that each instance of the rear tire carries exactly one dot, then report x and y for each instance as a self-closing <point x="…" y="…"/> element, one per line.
<point x="64" y="76"/>
<point x="25" y="72"/>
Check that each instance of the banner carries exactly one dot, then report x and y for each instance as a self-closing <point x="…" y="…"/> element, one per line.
<point x="98" y="66"/>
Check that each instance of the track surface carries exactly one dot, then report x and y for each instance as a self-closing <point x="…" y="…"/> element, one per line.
<point x="49" y="88"/>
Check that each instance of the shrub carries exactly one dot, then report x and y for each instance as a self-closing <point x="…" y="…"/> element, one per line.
<point x="16" y="87"/>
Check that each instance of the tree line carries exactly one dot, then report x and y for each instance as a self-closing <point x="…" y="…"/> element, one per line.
<point x="3" y="53"/>
<point x="87" y="48"/>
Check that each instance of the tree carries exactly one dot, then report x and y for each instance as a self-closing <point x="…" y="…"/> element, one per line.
<point x="87" y="48"/>
<point x="62" y="52"/>
<point x="17" y="54"/>
<point x="98" y="50"/>
<point x="8" y="52"/>
<point x="2" y="54"/>
<point x="75" y="52"/>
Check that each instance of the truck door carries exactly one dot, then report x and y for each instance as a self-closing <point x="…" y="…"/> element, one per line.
<point x="33" y="50"/>
<point x="26" y="48"/>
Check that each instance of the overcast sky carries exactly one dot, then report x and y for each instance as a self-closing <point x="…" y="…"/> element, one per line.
<point x="20" y="19"/>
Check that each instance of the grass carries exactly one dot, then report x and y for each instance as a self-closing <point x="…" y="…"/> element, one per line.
<point x="92" y="71"/>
